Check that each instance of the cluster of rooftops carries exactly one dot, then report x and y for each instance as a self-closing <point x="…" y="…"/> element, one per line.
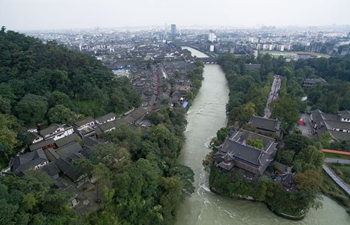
<point x="235" y="154"/>
<point x="337" y="125"/>
<point x="54" y="148"/>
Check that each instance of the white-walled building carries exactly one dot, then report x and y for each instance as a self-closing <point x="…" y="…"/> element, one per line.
<point x="212" y="36"/>
<point x="211" y="48"/>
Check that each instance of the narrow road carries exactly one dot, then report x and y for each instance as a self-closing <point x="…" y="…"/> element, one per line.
<point x="336" y="179"/>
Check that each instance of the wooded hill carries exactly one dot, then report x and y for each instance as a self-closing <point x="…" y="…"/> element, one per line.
<point x="78" y="81"/>
<point x="42" y="84"/>
<point x="139" y="181"/>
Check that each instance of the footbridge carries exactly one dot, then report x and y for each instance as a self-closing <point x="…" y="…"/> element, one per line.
<point x="209" y="60"/>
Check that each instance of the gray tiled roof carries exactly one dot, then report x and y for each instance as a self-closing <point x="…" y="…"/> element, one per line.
<point x="244" y="156"/>
<point x="84" y="121"/>
<point x="327" y="122"/>
<point x="65" y="166"/>
<point x="338" y="135"/>
<point x="90" y="141"/>
<point x="326" y="116"/>
<point x="338" y="124"/>
<point x="316" y="80"/>
<point x="107" y="126"/>
<point x="105" y="117"/>
<point x="28" y="161"/>
<point x="41" y="144"/>
<point x="51" y="169"/>
<point x="51" y="154"/>
<point x="137" y="113"/>
<point x="66" y="140"/>
<point x="345" y="114"/>
<point x="49" y="130"/>
<point x="242" y="135"/>
<point x="247" y="153"/>
<point x="265" y="123"/>
<point x="69" y="149"/>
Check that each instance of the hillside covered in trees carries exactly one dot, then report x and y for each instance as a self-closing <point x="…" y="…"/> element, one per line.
<point x="137" y="178"/>
<point x="42" y="84"/>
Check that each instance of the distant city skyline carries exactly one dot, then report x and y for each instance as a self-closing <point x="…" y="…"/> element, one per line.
<point x="68" y="14"/>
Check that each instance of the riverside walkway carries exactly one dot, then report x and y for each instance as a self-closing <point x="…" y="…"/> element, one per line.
<point x="336" y="179"/>
<point x="333" y="160"/>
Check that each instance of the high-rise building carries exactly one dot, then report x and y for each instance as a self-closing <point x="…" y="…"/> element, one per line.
<point x="173" y="29"/>
<point x="211" y="36"/>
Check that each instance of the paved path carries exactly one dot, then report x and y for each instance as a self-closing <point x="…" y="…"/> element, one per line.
<point x="273" y="94"/>
<point x="333" y="160"/>
<point x="336" y="179"/>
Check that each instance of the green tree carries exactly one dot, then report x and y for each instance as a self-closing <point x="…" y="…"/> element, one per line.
<point x="257" y="143"/>
<point x="110" y="155"/>
<point x="286" y="110"/>
<point x="32" y="109"/>
<point x="186" y="176"/>
<point x="309" y="158"/>
<point x="243" y="112"/>
<point x="61" y="114"/>
<point x="222" y="134"/>
<point x="257" y="96"/>
<point x="167" y="141"/>
<point x="325" y="139"/>
<point x="29" y="201"/>
<point x="189" y="96"/>
<point x="59" y="98"/>
<point x="8" y="137"/>
<point x="197" y="84"/>
<point x="287" y="157"/>
<point x="297" y="142"/>
<point x="5" y="105"/>
<point x="308" y="181"/>
<point x="102" y="174"/>
<point x="136" y="189"/>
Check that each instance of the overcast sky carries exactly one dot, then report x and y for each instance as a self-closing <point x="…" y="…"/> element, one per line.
<point x="62" y="14"/>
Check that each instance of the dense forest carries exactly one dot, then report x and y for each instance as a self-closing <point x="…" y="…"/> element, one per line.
<point x="138" y="179"/>
<point x="42" y="84"/>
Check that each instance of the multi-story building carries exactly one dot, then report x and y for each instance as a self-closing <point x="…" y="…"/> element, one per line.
<point x="211" y="36"/>
<point x="173" y="30"/>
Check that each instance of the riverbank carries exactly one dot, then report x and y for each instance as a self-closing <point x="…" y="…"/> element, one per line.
<point x="330" y="189"/>
<point x="284" y="215"/>
<point x="234" y="185"/>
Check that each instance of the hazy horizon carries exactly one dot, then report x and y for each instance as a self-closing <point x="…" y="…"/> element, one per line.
<point x="68" y="14"/>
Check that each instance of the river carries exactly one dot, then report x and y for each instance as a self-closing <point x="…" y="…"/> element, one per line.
<point x="206" y="116"/>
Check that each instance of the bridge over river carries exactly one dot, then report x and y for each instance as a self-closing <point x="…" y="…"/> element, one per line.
<point x="209" y="60"/>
